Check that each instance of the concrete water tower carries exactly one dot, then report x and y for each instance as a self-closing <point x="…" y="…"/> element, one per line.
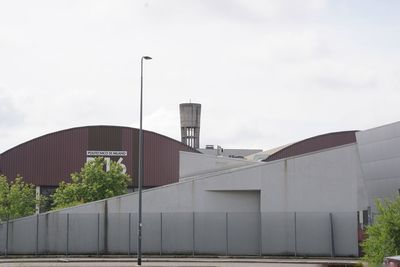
<point x="190" y="124"/>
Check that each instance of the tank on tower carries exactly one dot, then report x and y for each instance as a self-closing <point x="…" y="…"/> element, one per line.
<point x="190" y="124"/>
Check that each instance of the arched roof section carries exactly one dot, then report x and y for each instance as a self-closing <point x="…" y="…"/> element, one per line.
<point x="82" y="128"/>
<point x="51" y="158"/>
<point x="314" y="144"/>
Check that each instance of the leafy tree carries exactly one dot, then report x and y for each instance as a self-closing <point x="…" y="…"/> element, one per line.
<point x="17" y="198"/>
<point x="92" y="183"/>
<point x="383" y="236"/>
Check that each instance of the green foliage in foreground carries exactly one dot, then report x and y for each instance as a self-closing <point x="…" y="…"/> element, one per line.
<point x="92" y="183"/>
<point x="17" y="198"/>
<point x="383" y="237"/>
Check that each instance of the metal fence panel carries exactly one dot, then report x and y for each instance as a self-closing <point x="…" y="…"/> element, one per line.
<point x="210" y="233"/>
<point x="272" y="233"/>
<point x="345" y="232"/>
<point x="134" y="223"/>
<point x="22" y="236"/>
<point x="3" y="231"/>
<point x="52" y="233"/>
<point x="278" y="233"/>
<point x="313" y="234"/>
<point x="116" y="228"/>
<point x="177" y="233"/>
<point x="243" y="233"/>
<point x="83" y="234"/>
<point x="151" y="233"/>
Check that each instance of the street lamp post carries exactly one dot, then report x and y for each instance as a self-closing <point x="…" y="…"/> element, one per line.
<point x="140" y="176"/>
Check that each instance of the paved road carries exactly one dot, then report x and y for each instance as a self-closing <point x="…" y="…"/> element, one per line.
<point x="184" y="262"/>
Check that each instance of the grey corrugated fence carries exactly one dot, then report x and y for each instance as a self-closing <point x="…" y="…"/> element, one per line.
<point x="200" y="233"/>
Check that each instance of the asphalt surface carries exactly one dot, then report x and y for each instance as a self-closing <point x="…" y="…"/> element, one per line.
<point x="187" y="262"/>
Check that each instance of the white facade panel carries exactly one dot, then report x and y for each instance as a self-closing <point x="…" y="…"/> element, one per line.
<point x="377" y="134"/>
<point x="382" y="169"/>
<point x="379" y="150"/>
<point x="324" y="181"/>
<point x="380" y="189"/>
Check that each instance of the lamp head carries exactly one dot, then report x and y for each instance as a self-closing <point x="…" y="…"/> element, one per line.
<point x="147" y="57"/>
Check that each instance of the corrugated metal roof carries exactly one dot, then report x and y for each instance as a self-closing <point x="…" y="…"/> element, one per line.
<point x="314" y="144"/>
<point x="266" y="153"/>
<point x="51" y="158"/>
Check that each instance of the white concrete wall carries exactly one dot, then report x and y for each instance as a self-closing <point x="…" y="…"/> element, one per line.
<point x="379" y="150"/>
<point x="322" y="181"/>
<point x="326" y="181"/>
<point x="191" y="164"/>
<point x="181" y="197"/>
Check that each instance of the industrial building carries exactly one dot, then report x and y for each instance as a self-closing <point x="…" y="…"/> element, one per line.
<point x="47" y="160"/>
<point x="310" y="198"/>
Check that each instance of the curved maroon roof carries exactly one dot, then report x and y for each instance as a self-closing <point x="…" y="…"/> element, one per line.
<point x="51" y="158"/>
<point x="314" y="144"/>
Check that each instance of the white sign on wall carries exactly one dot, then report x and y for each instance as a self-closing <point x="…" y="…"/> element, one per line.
<point x="106" y="153"/>
<point x="91" y="154"/>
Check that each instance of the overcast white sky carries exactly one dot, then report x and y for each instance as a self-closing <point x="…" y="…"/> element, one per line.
<point x="267" y="73"/>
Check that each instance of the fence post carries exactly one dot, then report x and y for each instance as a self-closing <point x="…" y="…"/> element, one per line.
<point x="105" y="239"/>
<point x="161" y="233"/>
<point x="260" y="233"/>
<point x="66" y="252"/>
<point x="193" y="237"/>
<point x="332" y="236"/>
<point x="369" y="215"/>
<point x="37" y="234"/>
<point x="129" y="234"/>
<point x="98" y="234"/>
<point x="6" y="248"/>
<point x="226" y="233"/>
<point x="295" y="234"/>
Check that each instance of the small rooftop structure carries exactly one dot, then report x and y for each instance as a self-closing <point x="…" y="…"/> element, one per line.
<point x="228" y="152"/>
